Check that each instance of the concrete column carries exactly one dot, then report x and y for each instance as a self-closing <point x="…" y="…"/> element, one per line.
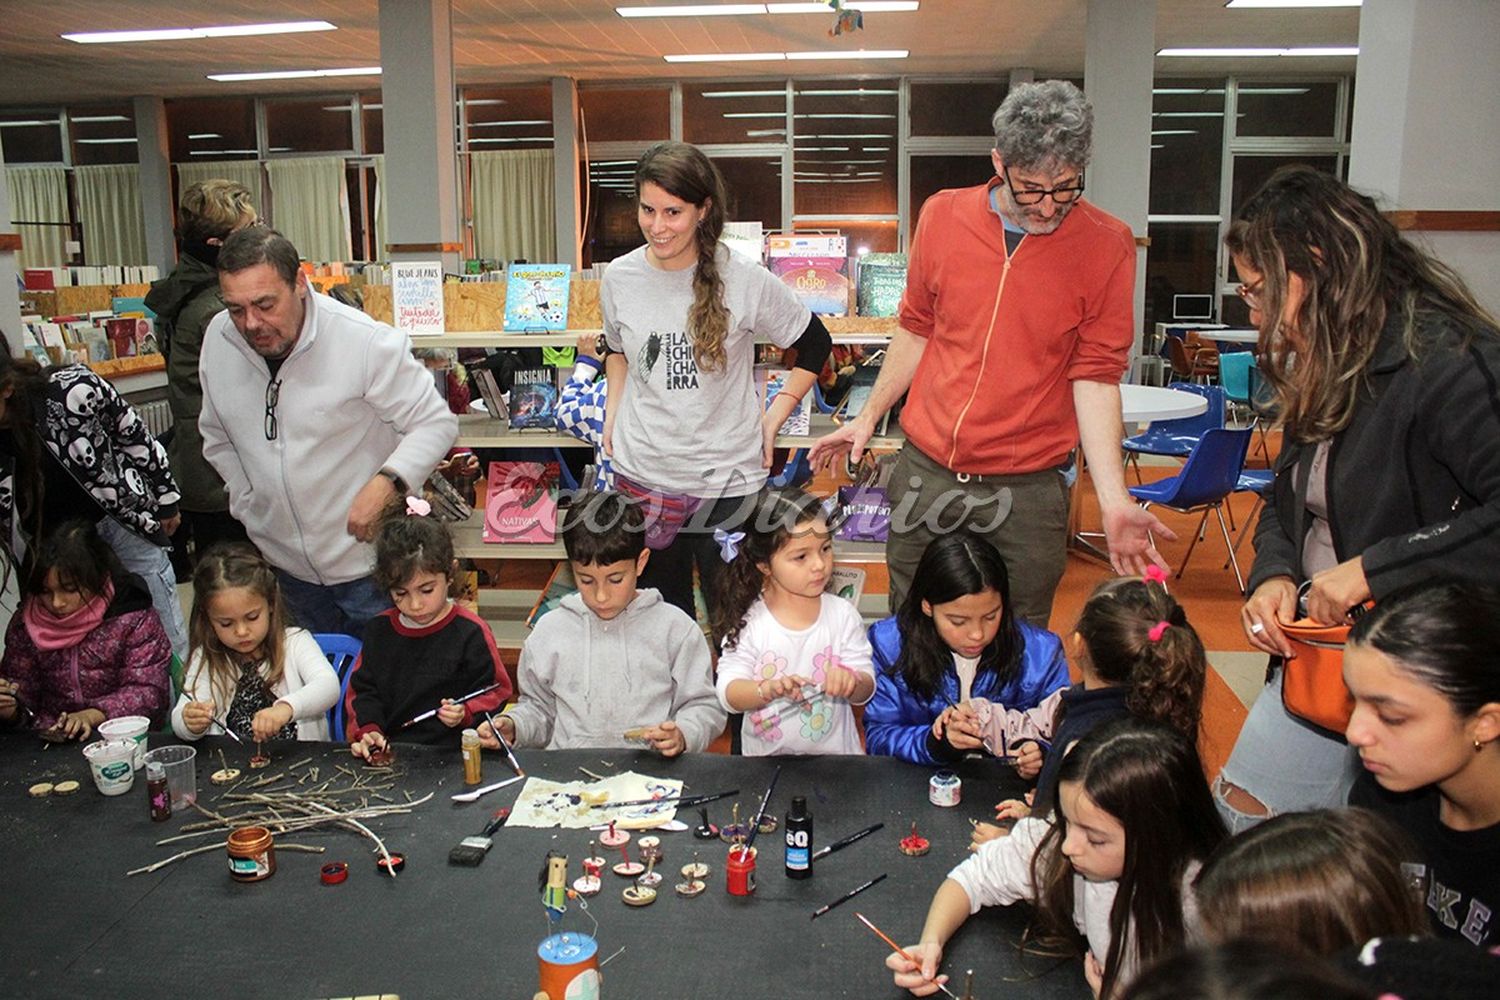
<point x="1119" y="60"/>
<point x="565" y="153"/>
<point x="416" y="56"/>
<point x="1427" y="123"/>
<point x="10" y="304"/>
<point x="156" y="181"/>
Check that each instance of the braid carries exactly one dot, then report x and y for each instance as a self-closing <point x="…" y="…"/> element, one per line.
<point x="708" y="318"/>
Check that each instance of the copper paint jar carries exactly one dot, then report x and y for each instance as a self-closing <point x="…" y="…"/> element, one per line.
<point x="252" y="854"/>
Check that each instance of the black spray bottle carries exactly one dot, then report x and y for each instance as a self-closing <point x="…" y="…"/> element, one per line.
<point x="799" y="839"/>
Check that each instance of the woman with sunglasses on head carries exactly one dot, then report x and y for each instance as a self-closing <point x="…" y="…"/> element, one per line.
<point x="1384" y="371"/>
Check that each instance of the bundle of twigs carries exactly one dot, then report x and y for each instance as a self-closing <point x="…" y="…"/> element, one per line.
<point x="291" y="809"/>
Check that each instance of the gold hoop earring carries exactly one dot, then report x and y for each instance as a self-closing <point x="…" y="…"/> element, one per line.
<point x="1478" y="746"/>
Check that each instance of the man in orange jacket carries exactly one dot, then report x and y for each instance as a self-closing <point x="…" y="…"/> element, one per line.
<point x="1015" y="330"/>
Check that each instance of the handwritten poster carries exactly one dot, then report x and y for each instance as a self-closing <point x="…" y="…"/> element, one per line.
<point x="417" y="296"/>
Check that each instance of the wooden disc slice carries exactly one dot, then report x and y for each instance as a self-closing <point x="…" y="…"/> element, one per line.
<point x="383" y="757"/>
<point x="628" y="869"/>
<point x="225" y="775"/>
<point x="694" y="870"/>
<point x="915" y="847"/>
<point x="650" y="880"/>
<point x="65" y="788"/>
<point x="40" y="790"/>
<point x="587" y="885"/>
<point x="259" y="761"/>
<point x="690" y="888"/>
<point x="636" y="895"/>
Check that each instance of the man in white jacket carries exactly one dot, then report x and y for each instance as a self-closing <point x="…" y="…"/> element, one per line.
<point x="317" y="417"/>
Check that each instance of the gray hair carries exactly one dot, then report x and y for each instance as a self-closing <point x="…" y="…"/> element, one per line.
<point x="1043" y="125"/>
<point x="259" y="245"/>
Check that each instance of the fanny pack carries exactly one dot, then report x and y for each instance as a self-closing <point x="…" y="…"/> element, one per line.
<point x="666" y="513"/>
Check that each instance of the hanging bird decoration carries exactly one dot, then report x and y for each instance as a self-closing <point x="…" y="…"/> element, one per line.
<point x="845" y="18"/>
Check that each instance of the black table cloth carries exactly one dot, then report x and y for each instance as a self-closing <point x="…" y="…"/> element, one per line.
<point x="75" y="925"/>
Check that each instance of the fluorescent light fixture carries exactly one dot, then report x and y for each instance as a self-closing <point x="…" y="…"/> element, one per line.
<point x="693" y="10"/>
<point x="877" y="149"/>
<point x="511" y="138"/>
<point x="1173" y="131"/>
<point x="755" y="114"/>
<point x="744" y="93"/>
<point x="223" y="152"/>
<point x="104" y="142"/>
<point x="1156" y="145"/>
<point x="611" y="163"/>
<point x="507" y="124"/>
<point x="708" y="57"/>
<point x="1210" y="53"/>
<point x="852" y="54"/>
<point x="848" y="93"/>
<point x="752" y="9"/>
<point x="851" y="135"/>
<point x="845" y="116"/>
<point x="484" y="102"/>
<point x="29" y="122"/>
<point x="760" y="133"/>
<point x="204" y="135"/>
<point x="279" y="149"/>
<point x="823" y="149"/>
<point x="1263" y="4"/>
<point x="874" y="6"/>
<point x="843" y="180"/>
<point x="186" y="34"/>
<point x="295" y="74"/>
<point x="99" y="118"/>
<point x="1188" y="114"/>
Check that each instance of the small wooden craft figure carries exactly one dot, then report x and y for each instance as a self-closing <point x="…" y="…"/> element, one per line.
<point x="650" y="849"/>
<point x="589" y="883"/>
<point x="553" y="882"/>
<point x="613" y="837"/>
<point x="260" y="760"/>
<point x="914" y="846"/>
<point x="734" y="832"/>
<point x="691" y="887"/>
<point x="705" y="830"/>
<point x="637" y="737"/>
<point x="695" y="868"/>
<point x="652" y="878"/>
<point x="626" y="868"/>
<point x="637" y="895"/>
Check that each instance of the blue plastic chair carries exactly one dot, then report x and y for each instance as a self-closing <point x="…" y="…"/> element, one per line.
<point x="1211" y="474"/>
<point x="1234" y="376"/>
<point x="795" y="471"/>
<point x="1176" y="438"/>
<point x="342" y="650"/>
<point x="1257" y="481"/>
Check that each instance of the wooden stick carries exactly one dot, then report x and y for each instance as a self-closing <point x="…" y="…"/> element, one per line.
<point x="213" y="847"/>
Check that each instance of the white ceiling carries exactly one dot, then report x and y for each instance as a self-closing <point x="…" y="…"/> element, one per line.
<point x="503" y="41"/>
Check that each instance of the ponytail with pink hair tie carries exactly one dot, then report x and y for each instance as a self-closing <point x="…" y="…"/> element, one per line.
<point x="1158" y="630"/>
<point x="417" y="507"/>
<point x="1156" y="574"/>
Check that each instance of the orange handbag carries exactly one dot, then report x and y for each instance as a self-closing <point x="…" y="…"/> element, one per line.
<point x="1312" y="682"/>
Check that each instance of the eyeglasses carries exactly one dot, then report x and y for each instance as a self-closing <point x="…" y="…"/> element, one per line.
<point x="273" y="394"/>
<point x="1251" y="293"/>
<point x="1059" y="195"/>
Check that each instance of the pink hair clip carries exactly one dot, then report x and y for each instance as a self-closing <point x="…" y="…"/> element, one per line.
<point x="1158" y="630"/>
<point x="417" y="507"/>
<point x="1156" y="574"/>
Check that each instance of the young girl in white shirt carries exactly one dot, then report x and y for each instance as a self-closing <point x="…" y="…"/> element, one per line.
<point x="1133" y="825"/>
<point x="246" y="668"/>
<point x="794" y="657"/>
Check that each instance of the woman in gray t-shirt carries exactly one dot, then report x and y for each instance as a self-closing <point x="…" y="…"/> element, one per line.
<point x="683" y="420"/>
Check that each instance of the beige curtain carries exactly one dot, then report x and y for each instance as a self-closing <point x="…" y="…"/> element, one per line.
<point x="310" y="205"/>
<point x="514" y="205"/>
<point x="246" y="172"/>
<point x="39" y="194"/>
<point x="109" y="207"/>
<point x="380" y="208"/>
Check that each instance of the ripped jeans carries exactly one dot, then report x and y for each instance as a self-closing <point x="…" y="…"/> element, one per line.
<point x="1285" y="763"/>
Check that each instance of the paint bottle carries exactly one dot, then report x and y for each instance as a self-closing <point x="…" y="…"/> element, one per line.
<point x="799" y="837"/>
<point x="740" y="871"/>
<point x="472" y="763"/>
<point x="157" y="793"/>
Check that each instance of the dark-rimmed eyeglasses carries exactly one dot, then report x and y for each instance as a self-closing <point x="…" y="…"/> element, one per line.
<point x="273" y="394"/>
<point x="1250" y="293"/>
<point x="1059" y="195"/>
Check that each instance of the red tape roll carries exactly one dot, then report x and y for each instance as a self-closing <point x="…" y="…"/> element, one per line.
<point x="335" y="872"/>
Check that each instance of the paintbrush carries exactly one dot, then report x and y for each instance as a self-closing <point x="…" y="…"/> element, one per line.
<point x="227" y="731"/>
<point x="677" y="800"/>
<point x="839" y="845"/>
<point x="902" y="952"/>
<point x="847" y="896"/>
<point x="988" y="747"/>
<point x="434" y="711"/>
<point x="754" y="823"/>
<point x="510" y="756"/>
<point x="471" y="850"/>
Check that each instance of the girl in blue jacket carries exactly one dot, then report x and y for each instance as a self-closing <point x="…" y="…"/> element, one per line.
<point x="955" y="639"/>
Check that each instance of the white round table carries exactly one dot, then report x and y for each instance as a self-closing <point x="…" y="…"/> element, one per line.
<point x="1143" y="403"/>
<point x="1246" y="335"/>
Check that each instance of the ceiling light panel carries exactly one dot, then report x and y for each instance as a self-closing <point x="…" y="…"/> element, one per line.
<point x="188" y="34"/>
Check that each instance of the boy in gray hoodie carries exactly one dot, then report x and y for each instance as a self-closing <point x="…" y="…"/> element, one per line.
<point x="612" y="658"/>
